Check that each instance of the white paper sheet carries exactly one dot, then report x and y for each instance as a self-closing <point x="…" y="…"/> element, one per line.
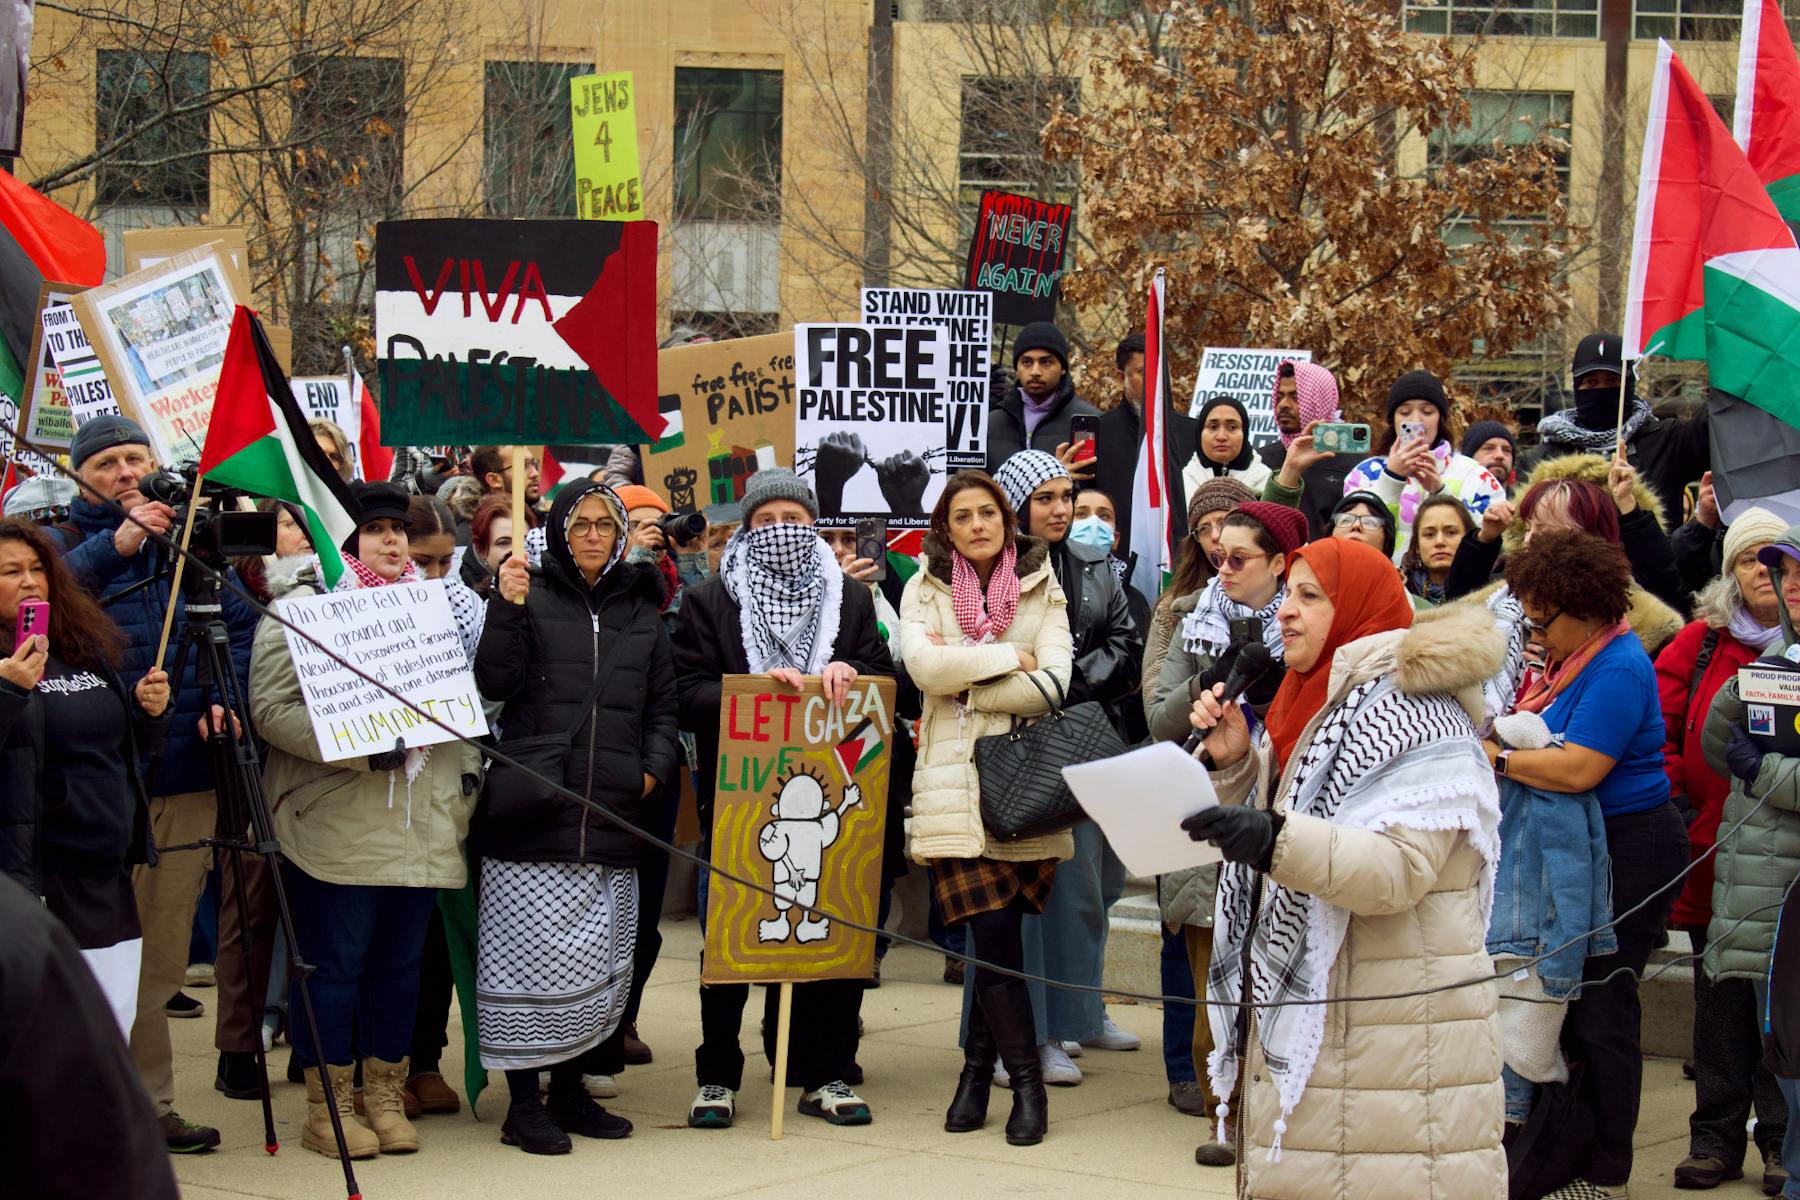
<point x="1139" y="800"/>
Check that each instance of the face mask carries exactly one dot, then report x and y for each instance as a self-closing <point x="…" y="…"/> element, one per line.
<point x="1092" y="531"/>
<point x="1597" y="408"/>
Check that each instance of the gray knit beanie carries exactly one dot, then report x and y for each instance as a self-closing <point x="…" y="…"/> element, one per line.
<point x="777" y="483"/>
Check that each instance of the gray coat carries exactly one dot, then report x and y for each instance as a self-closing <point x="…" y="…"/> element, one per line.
<point x="1756" y="864"/>
<point x="1184" y="897"/>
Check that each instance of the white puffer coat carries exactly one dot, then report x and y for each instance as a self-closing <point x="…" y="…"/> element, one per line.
<point x="946" y="806"/>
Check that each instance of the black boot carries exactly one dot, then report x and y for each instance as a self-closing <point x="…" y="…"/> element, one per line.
<point x="238" y="1077"/>
<point x="531" y="1128"/>
<point x="1008" y="1008"/>
<point x="968" y="1108"/>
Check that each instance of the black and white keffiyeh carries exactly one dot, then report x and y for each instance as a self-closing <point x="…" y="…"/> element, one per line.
<point x="1563" y="429"/>
<point x="1024" y="473"/>
<point x="789" y="589"/>
<point x="1208" y="628"/>
<point x="1376" y="760"/>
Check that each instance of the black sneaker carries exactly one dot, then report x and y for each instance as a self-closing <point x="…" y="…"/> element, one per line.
<point x="532" y="1129"/>
<point x="238" y="1077"/>
<point x="185" y="1137"/>
<point x="579" y="1114"/>
<point x="183" y="1005"/>
<point x="295" y="1072"/>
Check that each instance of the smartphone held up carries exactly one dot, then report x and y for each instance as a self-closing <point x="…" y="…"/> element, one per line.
<point x="33" y="618"/>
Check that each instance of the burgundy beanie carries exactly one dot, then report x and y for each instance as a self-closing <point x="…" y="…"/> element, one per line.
<point x="1286" y="525"/>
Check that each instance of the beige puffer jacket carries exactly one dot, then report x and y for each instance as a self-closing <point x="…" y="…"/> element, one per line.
<point x="1405" y="1099"/>
<point x="946" y="805"/>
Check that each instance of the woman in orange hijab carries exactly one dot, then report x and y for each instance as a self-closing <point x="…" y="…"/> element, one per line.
<point x="1360" y="831"/>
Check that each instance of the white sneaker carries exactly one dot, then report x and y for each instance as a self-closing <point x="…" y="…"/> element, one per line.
<point x="1113" y="1038"/>
<point x="713" y="1108"/>
<point x="1059" y="1069"/>
<point x="1072" y="1049"/>
<point x="201" y="975"/>
<point x="837" y="1104"/>
<point x="600" y="1087"/>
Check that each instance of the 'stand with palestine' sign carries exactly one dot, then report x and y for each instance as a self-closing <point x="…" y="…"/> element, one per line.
<point x="967" y="320"/>
<point x="403" y="635"/>
<point x="516" y="332"/>
<point x="1017" y="253"/>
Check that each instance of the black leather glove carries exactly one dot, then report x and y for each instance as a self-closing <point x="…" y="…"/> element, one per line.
<point x="1743" y="756"/>
<point x="389" y="760"/>
<point x="470" y="784"/>
<point x="1242" y="833"/>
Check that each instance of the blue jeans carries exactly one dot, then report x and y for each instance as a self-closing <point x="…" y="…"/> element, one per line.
<point x="1520" y="1092"/>
<point x="1178" y="1019"/>
<point x="365" y="944"/>
<point x="1790" y="1144"/>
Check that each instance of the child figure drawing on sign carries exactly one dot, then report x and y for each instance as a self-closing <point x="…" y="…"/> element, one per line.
<point x="795" y="841"/>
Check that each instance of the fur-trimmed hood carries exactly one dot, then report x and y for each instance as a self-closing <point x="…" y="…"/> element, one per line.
<point x="1590" y="467"/>
<point x="1451" y="650"/>
<point x="1034" y="557"/>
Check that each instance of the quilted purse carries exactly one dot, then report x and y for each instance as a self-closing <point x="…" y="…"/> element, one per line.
<point x="1023" y="794"/>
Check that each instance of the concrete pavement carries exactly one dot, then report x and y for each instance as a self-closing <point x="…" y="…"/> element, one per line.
<point x="1113" y="1136"/>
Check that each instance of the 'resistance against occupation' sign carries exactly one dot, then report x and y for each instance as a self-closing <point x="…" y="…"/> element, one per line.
<point x="405" y="636"/>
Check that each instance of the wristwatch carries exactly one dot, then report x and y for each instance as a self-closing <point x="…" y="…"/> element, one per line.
<point x="1500" y="762"/>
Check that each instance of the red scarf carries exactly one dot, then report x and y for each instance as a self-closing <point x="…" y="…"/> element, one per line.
<point x="366" y="578"/>
<point x="985" y="615"/>
<point x="1367" y="597"/>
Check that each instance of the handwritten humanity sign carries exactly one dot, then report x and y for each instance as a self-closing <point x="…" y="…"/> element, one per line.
<point x="403" y="635"/>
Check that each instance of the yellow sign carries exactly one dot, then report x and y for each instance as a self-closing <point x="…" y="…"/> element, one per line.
<point x="607" y="184"/>
<point x="800" y="808"/>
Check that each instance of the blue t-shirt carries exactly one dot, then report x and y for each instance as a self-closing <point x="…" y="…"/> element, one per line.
<point x="1612" y="708"/>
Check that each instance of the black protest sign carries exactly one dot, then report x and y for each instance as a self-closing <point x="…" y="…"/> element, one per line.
<point x="1017" y="253"/>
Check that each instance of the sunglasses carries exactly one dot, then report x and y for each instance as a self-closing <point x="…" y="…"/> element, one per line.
<point x="1356" y="521"/>
<point x="1236" y="560"/>
<point x="1540" y="628"/>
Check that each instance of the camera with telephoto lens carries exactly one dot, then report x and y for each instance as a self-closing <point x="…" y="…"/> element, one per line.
<point x="682" y="527"/>
<point x="221" y="532"/>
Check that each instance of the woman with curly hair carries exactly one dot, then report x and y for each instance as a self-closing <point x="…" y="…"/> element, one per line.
<point x="1598" y="732"/>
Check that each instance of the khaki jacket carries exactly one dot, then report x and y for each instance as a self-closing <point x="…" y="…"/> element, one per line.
<point x="1405" y="1099"/>
<point x="946" y="806"/>
<point x="340" y="822"/>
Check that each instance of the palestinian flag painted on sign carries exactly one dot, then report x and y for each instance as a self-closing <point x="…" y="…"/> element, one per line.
<point x="508" y="332"/>
<point x="1766" y="121"/>
<point x="860" y="748"/>
<point x="258" y="440"/>
<point x="1715" y="273"/>
<point x="39" y="240"/>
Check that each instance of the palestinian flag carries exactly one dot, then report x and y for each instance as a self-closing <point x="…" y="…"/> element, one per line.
<point x="860" y="749"/>
<point x="1152" y="505"/>
<point x="1715" y="273"/>
<point x="374" y="460"/>
<point x="39" y="240"/>
<point x="1766" y="121"/>
<point x="258" y="440"/>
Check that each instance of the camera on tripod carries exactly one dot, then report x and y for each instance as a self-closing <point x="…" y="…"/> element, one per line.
<point x="681" y="528"/>
<point x="221" y="531"/>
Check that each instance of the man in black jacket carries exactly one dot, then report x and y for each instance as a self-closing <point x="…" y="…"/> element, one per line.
<point x="771" y="610"/>
<point x="1668" y="454"/>
<point x="1035" y="414"/>
<point x="1122" y="440"/>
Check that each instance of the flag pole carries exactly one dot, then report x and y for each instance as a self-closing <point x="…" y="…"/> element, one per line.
<point x="187" y="532"/>
<point x="1619" y="432"/>
<point x="518" y="501"/>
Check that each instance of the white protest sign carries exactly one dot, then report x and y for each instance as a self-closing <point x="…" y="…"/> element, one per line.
<point x="328" y="396"/>
<point x="403" y="635"/>
<point x="1247" y="376"/>
<point x="869" y="420"/>
<point x="83" y="378"/>
<point x="968" y="320"/>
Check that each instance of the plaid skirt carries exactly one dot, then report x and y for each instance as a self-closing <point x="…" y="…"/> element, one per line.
<point x="966" y="887"/>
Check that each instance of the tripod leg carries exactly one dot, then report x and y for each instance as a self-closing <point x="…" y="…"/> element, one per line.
<point x="258" y="990"/>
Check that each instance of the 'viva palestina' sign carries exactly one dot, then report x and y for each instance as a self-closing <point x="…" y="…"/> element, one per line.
<point x="405" y="636"/>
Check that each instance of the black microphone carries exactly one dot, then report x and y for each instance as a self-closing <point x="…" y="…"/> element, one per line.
<point x="1253" y="662"/>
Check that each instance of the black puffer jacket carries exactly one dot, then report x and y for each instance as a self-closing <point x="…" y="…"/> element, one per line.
<point x="1006" y="425"/>
<point x="709" y="644"/>
<point x="542" y="659"/>
<point x="1109" y="650"/>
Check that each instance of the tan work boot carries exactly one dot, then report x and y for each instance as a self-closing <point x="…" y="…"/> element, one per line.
<point x="317" y="1134"/>
<point x="384" y="1099"/>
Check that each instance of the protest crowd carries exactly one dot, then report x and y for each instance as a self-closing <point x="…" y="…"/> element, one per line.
<point x="1475" y="716"/>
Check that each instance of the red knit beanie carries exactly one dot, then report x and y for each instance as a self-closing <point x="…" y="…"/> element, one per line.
<point x="1286" y="525"/>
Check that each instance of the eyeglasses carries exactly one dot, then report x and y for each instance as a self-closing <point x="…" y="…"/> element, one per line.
<point x="586" y="529"/>
<point x="1354" y="521"/>
<point x="1540" y="628"/>
<point x="1237" y="561"/>
<point x="1211" y="529"/>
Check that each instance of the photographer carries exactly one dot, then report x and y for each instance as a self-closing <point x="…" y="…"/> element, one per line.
<point x="131" y="575"/>
<point x="648" y="542"/>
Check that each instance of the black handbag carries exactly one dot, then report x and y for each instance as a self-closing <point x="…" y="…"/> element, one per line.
<point x="1023" y="794"/>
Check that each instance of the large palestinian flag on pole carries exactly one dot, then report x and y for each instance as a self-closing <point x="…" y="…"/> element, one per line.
<point x="1766" y="121"/>
<point x="39" y="240"/>
<point x="1715" y="273"/>
<point x="258" y="440"/>
<point x="1151" y="503"/>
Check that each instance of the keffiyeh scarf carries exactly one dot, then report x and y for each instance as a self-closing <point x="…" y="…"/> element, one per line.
<point x="1563" y="428"/>
<point x="1377" y="760"/>
<point x="789" y="590"/>
<point x="359" y="575"/>
<point x="1207" y="629"/>
<point x="984" y="615"/>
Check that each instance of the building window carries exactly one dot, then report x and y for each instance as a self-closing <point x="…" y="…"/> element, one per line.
<point x="1506" y="18"/>
<point x="1502" y="121"/>
<point x="1687" y="20"/>
<point x="353" y="110"/>
<point x="527" y="164"/>
<point x="1001" y="147"/>
<point x="166" y="164"/>
<point x="727" y="144"/>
